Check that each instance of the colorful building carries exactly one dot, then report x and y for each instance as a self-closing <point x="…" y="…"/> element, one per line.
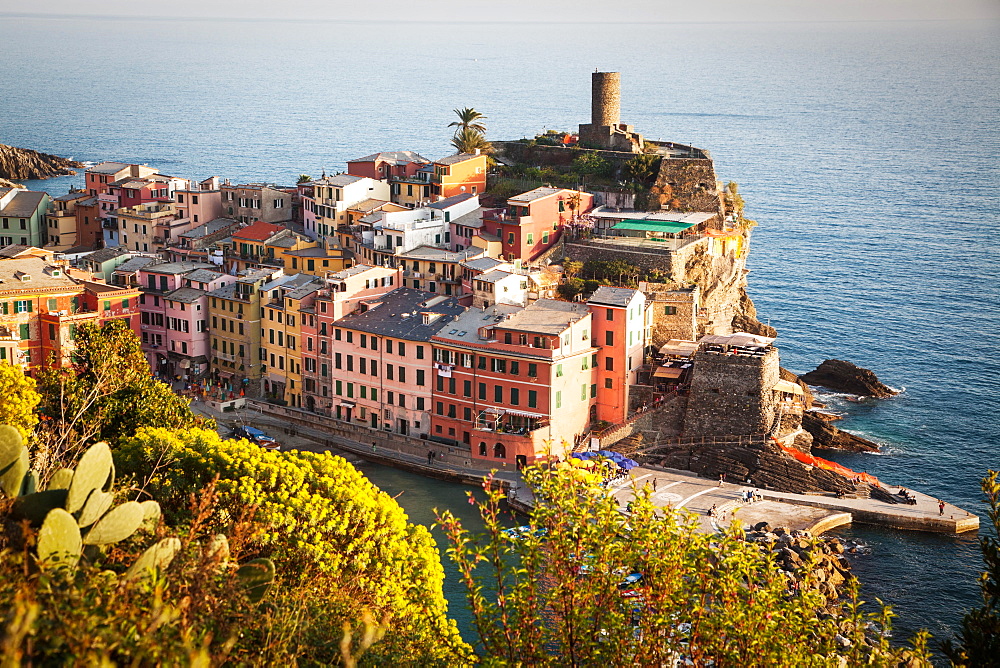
<point x="99" y="178"/>
<point x="281" y="335"/>
<point x="22" y="217"/>
<point x="515" y="384"/>
<point x="382" y="362"/>
<point x="156" y="331"/>
<point x="326" y="210"/>
<point x="462" y="173"/>
<point x="251" y="202"/>
<point x="619" y="330"/>
<point x="532" y="222"/>
<point x="200" y="203"/>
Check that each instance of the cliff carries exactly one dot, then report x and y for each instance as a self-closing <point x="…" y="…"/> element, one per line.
<point x="23" y="164"/>
<point x="842" y="376"/>
<point x="4" y="183"/>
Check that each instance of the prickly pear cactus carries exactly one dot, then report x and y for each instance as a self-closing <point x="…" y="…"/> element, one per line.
<point x="158" y="556"/>
<point x="13" y="461"/>
<point x="92" y="472"/>
<point x="256" y="577"/>
<point x="59" y="542"/>
<point x="117" y="525"/>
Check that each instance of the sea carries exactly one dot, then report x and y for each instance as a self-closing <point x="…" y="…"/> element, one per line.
<point x="867" y="152"/>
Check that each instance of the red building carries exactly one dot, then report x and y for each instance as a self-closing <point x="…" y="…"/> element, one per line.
<point x="532" y="222"/>
<point x="387" y="165"/>
<point x="620" y="333"/>
<point x="514" y="384"/>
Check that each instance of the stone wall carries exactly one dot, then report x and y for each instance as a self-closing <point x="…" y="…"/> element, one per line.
<point x="672" y="312"/>
<point x="686" y="184"/>
<point x="606" y="95"/>
<point x="732" y="394"/>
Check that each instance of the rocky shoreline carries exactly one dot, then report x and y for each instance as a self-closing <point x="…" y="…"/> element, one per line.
<point x="21" y="164"/>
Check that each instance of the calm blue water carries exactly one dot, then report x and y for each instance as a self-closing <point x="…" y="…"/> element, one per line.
<point x="866" y="151"/>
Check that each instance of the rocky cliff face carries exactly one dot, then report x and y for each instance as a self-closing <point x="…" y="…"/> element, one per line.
<point x="22" y="164"/>
<point x="828" y="437"/>
<point x="4" y="183"/>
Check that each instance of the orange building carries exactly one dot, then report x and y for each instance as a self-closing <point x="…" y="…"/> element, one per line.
<point x="619" y="331"/>
<point x="457" y="174"/>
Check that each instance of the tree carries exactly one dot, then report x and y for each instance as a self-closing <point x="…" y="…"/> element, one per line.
<point x="19" y="399"/>
<point x="316" y="516"/>
<point x="572" y="267"/>
<point x="584" y="586"/>
<point x="468" y="140"/>
<point x="468" y="119"/>
<point x="978" y="641"/>
<point x="642" y="168"/>
<point x="108" y="393"/>
<point x="304" y="178"/>
<point x="592" y="163"/>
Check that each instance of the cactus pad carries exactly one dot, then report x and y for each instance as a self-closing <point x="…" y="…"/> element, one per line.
<point x="61" y="479"/>
<point x="59" y="541"/>
<point x="10" y="446"/>
<point x="36" y="507"/>
<point x="97" y="504"/>
<point x="120" y="523"/>
<point x="92" y="472"/>
<point x="158" y="556"/>
<point x="256" y="577"/>
<point x="12" y="477"/>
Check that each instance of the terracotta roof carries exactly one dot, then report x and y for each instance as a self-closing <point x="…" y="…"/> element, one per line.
<point x="259" y="231"/>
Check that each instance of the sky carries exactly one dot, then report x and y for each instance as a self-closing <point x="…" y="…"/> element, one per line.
<point x="531" y="11"/>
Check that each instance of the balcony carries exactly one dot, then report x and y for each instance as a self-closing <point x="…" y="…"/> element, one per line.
<point x="510" y="421"/>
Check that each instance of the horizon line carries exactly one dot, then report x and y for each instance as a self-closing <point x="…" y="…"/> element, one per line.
<point x="285" y="19"/>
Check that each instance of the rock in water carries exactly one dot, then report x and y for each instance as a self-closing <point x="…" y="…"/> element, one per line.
<point x="842" y="376"/>
<point x="22" y="163"/>
<point x="827" y="437"/>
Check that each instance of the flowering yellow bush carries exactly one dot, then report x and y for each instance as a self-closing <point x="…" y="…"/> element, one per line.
<point x="18" y="399"/>
<point x="312" y="511"/>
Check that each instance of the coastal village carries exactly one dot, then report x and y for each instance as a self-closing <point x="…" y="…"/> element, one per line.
<point x="506" y="305"/>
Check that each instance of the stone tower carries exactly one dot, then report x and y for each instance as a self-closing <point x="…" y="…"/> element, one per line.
<point x="606" y="98"/>
<point x="605" y="130"/>
<point x="732" y="395"/>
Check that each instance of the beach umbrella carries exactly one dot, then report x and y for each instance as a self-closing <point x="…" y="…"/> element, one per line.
<point x="583" y="455"/>
<point x="614" y="456"/>
<point x="628" y="464"/>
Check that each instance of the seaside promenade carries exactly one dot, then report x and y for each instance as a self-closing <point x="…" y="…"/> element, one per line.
<point x="676" y="489"/>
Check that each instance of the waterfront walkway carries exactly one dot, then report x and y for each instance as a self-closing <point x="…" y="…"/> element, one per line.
<point x="673" y="488"/>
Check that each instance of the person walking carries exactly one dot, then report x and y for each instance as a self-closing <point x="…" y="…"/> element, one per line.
<point x="940" y="507"/>
<point x="430" y="456"/>
<point x="654" y="484"/>
<point x="722" y="479"/>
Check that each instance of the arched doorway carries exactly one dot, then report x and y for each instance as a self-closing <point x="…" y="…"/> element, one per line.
<point x="500" y="451"/>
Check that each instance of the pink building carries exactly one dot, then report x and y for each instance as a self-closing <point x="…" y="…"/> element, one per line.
<point x="345" y="293"/>
<point x="201" y="203"/>
<point x="156" y="282"/>
<point x="387" y="165"/>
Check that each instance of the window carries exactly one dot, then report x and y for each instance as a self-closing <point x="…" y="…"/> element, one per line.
<point x="420" y="352"/>
<point x="609" y="338"/>
<point x="482" y="391"/>
<point x="531" y="239"/>
<point x="498" y="394"/>
<point x="584" y="363"/>
<point x="482" y="448"/>
<point x="420" y="404"/>
<point x="402" y="374"/>
<point x="532" y="370"/>
<point x="609" y="314"/>
<point x="337" y="360"/>
<point x="669" y="310"/>
<point x="389" y="372"/>
<point x="402" y="350"/>
<point x="559" y="370"/>
<point x="499" y="366"/>
<point x="608" y="383"/>
<point x="420" y="376"/>
<point x="515" y="396"/>
<point x="593" y="390"/>
<point x="583" y="392"/>
<point x="559" y="399"/>
<point x="545" y="238"/>
<point x="439" y="409"/>
<point x="515" y="368"/>
<point x="609" y="363"/>
<point x="467" y="414"/>
<point x="510" y="238"/>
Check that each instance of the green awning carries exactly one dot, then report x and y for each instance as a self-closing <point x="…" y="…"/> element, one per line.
<point x="665" y="226"/>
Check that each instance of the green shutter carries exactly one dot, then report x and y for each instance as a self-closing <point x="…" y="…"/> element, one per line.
<point x="31" y="305"/>
<point x="25" y="332"/>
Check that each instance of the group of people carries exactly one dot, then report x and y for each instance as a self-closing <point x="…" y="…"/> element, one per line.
<point x="907" y="497"/>
<point x="749" y="496"/>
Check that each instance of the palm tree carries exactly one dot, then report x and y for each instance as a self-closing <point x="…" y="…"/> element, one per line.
<point x="468" y="140"/>
<point x="468" y="119"/>
<point x="304" y="178"/>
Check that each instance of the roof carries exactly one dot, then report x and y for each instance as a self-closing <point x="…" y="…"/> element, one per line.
<point x="451" y="201"/>
<point x="284" y="242"/>
<point x="472" y="219"/>
<point x="177" y="267"/>
<point x="13" y="250"/>
<point x="631" y="214"/>
<point x="395" y="157"/>
<point x="788" y="386"/>
<point x="352" y="271"/>
<point x="399" y="315"/>
<point x="737" y="339"/>
<point x="679" y="348"/>
<point x="108" y="167"/>
<point x="662" y="226"/>
<point x="12" y="272"/>
<point x="494" y="276"/>
<point x="483" y="263"/>
<point x="135" y="264"/>
<point x="211" y="227"/>
<point x="24" y="204"/>
<point x="457" y="158"/>
<point x="545" y="316"/>
<point x="203" y="275"/>
<point x="70" y="197"/>
<point x="532" y="195"/>
<point x="339" y="181"/>
<point x="186" y="295"/>
<point x="609" y="296"/>
<point x="306" y="289"/>
<point x="368" y="205"/>
<point x="259" y="231"/>
<point x="317" y="251"/>
<point x="435" y="254"/>
<point x="103" y="255"/>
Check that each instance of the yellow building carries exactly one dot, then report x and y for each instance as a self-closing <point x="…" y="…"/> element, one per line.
<point x="459" y="173"/>
<point x="281" y="335"/>
<point x="318" y="260"/>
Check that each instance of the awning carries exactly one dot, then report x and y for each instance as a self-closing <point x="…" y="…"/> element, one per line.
<point x="788" y="386"/>
<point x="668" y="372"/>
<point x="679" y="348"/>
<point x="663" y="226"/>
<point x="737" y="339"/>
<point x="346" y="404"/>
<point x="527" y="414"/>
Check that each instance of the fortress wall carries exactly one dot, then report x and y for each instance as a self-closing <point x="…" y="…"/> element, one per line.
<point x="689" y="181"/>
<point x="732" y="394"/>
